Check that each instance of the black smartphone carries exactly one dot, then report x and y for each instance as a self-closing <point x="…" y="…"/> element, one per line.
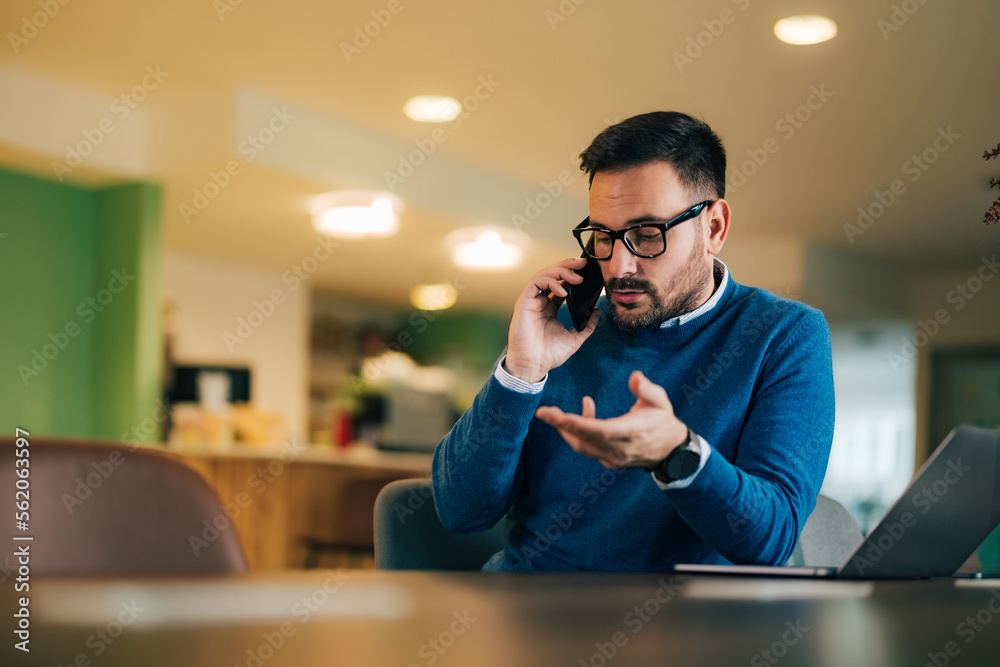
<point x="583" y="297"/>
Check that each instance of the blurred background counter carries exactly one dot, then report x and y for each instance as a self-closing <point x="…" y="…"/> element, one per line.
<point x="300" y="505"/>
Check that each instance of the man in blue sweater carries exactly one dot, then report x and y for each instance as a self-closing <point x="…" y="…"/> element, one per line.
<point x="690" y="421"/>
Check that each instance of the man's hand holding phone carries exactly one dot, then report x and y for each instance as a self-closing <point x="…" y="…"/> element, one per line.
<point x="537" y="342"/>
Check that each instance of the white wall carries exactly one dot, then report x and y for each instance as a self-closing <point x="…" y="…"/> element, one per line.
<point x="871" y="462"/>
<point x="211" y="296"/>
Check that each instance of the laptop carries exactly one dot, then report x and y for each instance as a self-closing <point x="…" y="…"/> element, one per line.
<point x="950" y="506"/>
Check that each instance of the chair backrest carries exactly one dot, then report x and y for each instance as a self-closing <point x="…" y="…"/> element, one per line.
<point x="409" y="535"/>
<point x="99" y="508"/>
<point x="358" y="507"/>
<point x="829" y="536"/>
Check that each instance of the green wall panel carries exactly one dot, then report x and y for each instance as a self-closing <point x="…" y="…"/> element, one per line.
<point x="476" y="338"/>
<point x="127" y="351"/>
<point x="75" y="358"/>
<point x="46" y="262"/>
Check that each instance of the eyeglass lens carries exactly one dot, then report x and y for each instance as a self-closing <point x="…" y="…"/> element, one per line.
<point x="641" y="241"/>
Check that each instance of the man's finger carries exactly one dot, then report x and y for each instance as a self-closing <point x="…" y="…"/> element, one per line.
<point x="548" y="284"/>
<point x="582" y="427"/>
<point x="647" y="390"/>
<point x="549" y="414"/>
<point x="578" y="424"/>
<point x="595" y="318"/>
<point x="560" y="272"/>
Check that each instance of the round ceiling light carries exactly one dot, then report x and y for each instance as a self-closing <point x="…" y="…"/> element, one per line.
<point x="805" y="29"/>
<point x="355" y="214"/>
<point x="432" y="108"/>
<point x="487" y="248"/>
<point x="436" y="296"/>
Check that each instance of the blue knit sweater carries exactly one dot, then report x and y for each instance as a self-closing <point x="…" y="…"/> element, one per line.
<point x="752" y="376"/>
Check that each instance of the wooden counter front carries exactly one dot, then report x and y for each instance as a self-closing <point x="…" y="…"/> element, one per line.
<point x="277" y="499"/>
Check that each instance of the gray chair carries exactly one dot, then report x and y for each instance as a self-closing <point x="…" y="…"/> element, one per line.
<point x="97" y="508"/>
<point x="409" y="535"/>
<point x="829" y="536"/>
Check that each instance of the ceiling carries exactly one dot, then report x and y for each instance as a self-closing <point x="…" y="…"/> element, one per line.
<point x="549" y="76"/>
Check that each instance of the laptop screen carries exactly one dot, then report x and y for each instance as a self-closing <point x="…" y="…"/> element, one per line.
<point x="949" y="508"/>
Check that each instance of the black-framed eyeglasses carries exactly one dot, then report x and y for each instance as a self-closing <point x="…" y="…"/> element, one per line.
<point x="647" y="239"/>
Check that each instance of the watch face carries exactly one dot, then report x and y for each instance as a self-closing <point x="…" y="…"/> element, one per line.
<point x="683" y="463"/>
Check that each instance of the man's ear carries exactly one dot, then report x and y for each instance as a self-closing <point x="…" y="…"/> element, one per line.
<point x="718" y="226"/>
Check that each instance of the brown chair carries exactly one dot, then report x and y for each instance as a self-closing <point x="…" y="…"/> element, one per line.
<point x="99" y="508"/>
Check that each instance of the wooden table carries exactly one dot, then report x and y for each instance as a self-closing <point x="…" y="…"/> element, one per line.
<point x="400" y="619"/>
<point x="276" y="498"/>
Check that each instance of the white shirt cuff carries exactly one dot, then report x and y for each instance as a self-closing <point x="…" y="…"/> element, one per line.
<point x="706" y="450"/>
<point x="517" y="384"/>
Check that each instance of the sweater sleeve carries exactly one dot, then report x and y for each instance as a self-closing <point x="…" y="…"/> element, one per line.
<point x="474" y="472"/>
<point x="752" y="510"/>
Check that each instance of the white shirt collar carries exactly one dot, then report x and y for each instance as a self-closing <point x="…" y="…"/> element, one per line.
<point x="705" y="307"/>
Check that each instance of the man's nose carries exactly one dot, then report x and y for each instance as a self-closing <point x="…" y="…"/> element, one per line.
<point x="622" y="262"/>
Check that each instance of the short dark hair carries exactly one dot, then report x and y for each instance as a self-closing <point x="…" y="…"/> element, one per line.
<point x="687" y="143"/>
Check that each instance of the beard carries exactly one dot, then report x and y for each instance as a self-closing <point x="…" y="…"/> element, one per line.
<point x="691" y="283"/>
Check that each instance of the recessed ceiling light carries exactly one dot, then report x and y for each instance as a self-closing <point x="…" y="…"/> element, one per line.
<point x="356" y="214"/>
<point x="487" y="248"/>
<point x="432" y="108"/>
<point x="805" y="29"/>
<point x="436" y="296"/>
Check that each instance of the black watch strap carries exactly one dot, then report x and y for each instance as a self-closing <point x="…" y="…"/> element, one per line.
<point x="680" y="463"/>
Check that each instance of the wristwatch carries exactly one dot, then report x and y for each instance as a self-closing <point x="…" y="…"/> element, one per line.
<point x="680" y="463"/>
